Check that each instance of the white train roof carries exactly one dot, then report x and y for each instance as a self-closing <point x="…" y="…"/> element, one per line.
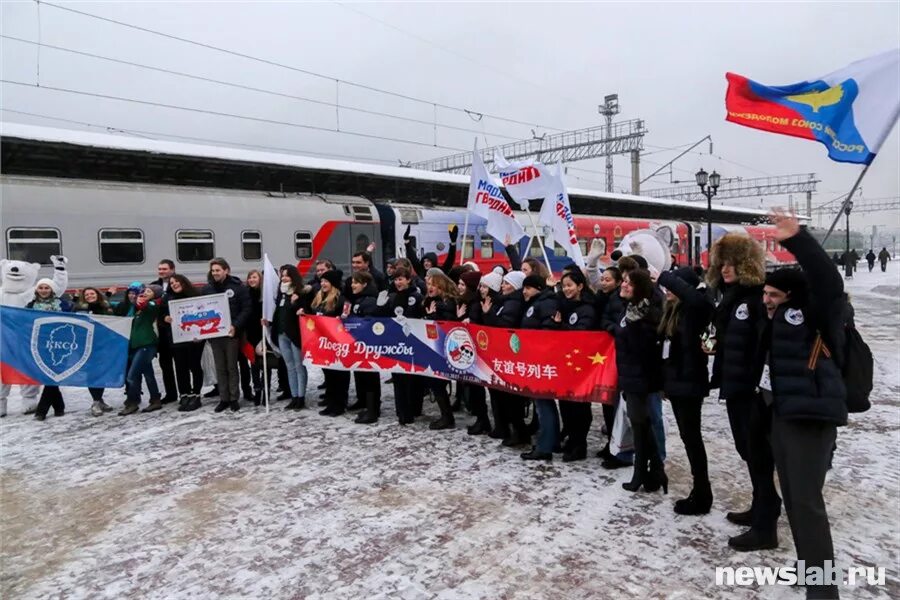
<point x="172" y="149"/>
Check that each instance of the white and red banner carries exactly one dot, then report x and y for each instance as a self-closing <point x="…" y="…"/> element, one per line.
<point x="556" y="213"/>
<point x="486" y="200"/>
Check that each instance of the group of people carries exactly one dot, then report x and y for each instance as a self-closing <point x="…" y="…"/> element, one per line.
<point x="775" y="340"/>
<point x="853" y="258"/>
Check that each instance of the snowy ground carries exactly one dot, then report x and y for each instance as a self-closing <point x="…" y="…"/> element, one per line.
<point x="249" y="505"/>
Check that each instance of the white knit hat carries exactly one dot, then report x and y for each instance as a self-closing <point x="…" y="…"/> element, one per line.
<point x="515" y="279"/>
<point x="492" y="280"/>
<point x="469" y="263"/>
<point x="46" y="281"/>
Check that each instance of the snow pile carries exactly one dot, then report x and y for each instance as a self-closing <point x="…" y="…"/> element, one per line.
<point x="294" y="505"/>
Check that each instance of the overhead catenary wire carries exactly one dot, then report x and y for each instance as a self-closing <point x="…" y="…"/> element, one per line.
<point x="336" y="104"/>
<point x="229" y="115"/>
<point x="290" y="67"/>
<point x="188" y="138"/>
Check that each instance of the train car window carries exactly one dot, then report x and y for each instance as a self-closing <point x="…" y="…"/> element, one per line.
<point x="468" y="247"/>
<point x="409" y="216"/>
<point x="487" y="246"/>
<point x="33" y="244"/>
<point x="362" y="242"/>
<point x="251" y="245"/>
<point x="303" y="246"/>
<point x="583" y="245"/>
<point x="118" y="246"/>
<point x="361" y="213"/>
<point x="558" y="250"/>
<point x="192" y="245"/>
<point x="534" y="250"/>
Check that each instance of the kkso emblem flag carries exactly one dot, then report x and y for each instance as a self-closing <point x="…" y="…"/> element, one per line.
<point x="76" y="350"/>
<point x="60" y="346"/>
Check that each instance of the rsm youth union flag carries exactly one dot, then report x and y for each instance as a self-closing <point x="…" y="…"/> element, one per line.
<point x="49" y="348"/>
<point x="851" y="110"/>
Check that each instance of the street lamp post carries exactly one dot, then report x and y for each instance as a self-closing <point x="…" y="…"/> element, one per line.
<point x="848" y="265"/>
<point x="709" y="185"/>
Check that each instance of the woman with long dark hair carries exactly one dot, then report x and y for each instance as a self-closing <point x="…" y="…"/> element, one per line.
<point x="686" y="375"/>
<point x="639" y="363"/>
<point x="93" y="302"/>
<point x="251" y="374"/>
<point x="329" y="302"/>
<point x="188" y="356"/>
<point x="292" y="297"/>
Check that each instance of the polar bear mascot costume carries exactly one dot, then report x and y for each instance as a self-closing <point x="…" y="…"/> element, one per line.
<point x="17" y="283"/>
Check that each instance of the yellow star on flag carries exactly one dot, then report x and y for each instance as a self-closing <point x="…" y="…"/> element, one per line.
<point x="568" y="364"/>
<point x="576" y="351"/>
<point x="598" y="359"/>
<point x="568" y="356"/>
<point x="577" y="369"/>
<point x="310" y="325"/>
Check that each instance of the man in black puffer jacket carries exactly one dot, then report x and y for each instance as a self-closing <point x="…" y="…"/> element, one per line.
<point x="800" y="348"/>
<point x="738" y="271"/>
<point x="225" y="349"/>
<point x="368" y="383"/>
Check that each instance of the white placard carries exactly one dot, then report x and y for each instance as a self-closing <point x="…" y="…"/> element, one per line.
<point x="200" y="318"/>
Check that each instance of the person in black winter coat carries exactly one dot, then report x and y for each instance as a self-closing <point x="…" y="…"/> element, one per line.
<point x="801" y="349"/>
<point x="541" y="306"/>
<point x="362" y="262"/>
<point x="505" y="309"/>
<point x="251" y="374"/>
<point x="639" y="363"/>
<point x="368" y="383"/>
<point x="468" y="309"/>
<point x="440" y="305"/>
<point x="687" y="314"/>
<point x="293" y="296"/>
<point x="870" y="258"/>
<point x="737" y="272"/>
<point x="188" y="356"/>
<point x="610" y="308"/>
<point x="226" y="349"/>
<point x="576" y="313"/>
<point x="405" y="302"/>
<point x="883" y="257"/>
<point x="329" y="302"/>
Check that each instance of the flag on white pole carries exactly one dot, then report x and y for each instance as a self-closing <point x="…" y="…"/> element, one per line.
<point x="270" y="282"/>
<point x="486" y="200"/>
<point x="556" y="213"/>
<point x="524" y="179"/>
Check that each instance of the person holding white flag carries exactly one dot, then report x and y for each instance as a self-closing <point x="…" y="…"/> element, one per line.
<point x="270" y="284"/>
<point x="556" y="213"/>
<point x="292" y="297"/>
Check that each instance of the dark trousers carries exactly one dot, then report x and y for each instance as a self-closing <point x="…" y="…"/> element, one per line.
<point x="96" y="394"/>
<point x="499" y="399"/>
<point x="367" y="382"/>
<point x="417" y="395"/>
<point x="51" y="396"/>
<point x="750" y="421"/>
<point x="251" y="375"/>
<point x="403" y="393"/>
<point x="609" y="414"/>
<point x="167" y="367"/>
<point x="225" y="354"/>
<point x="687" y="415"/>
<point x="576" y="418"/>
<point x="871" y="265"/>
<point x="475" y="398"/>
<point x="883" y="266"/>
<point x="802" y="452"/>
<point x="337" y="388"/>
<point x="188" y="367"/>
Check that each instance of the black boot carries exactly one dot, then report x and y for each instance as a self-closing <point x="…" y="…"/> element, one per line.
<point x="698" y="502"/>
<point x="446" y="420"/>
<point x="656" y="477"/>
<point x="743" y="518"/>
<point x="518" y="438"/>
<point x="481" y="426"/>
<point x="535" y="455"/>
<point x="639" y="475"/>
<point x="358" y="405"/>
<point x="222" y="406"/>
<point x="577" y="451"/>
<point x="234" y="406"/>
<point x="284" y="396"/>
<point x="296" y="404"/>
<point x="248" y="393"/>
<point x="754" y="539"/>
<point x="212" y="393"/>
<point x="372" y="412"/>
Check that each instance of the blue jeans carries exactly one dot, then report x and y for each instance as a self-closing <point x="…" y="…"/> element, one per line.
<point x="296" y="370"/>
<point x="548" y="433"/>
<point x="656" y="424"/>
<point x="141" y="366"/>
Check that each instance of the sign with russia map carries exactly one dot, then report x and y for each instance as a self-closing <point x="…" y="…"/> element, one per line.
<point x="200" y="318"/>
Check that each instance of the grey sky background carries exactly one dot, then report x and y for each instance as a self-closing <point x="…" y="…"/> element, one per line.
<point x="548" y="64"/>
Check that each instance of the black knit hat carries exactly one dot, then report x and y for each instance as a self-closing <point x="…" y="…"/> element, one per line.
<point x="688" y="275"/>
<point x="535" y="281"/>
<point x="789" y="281"/>
<point x="333" y="277"/>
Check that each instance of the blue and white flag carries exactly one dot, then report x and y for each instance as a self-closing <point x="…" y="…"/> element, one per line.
<point x="67" y="349"/>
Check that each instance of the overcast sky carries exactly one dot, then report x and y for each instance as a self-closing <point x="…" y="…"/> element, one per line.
<point x="548" y="64"/>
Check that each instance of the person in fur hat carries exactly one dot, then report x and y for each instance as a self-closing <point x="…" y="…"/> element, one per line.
<point x="737" y="272"/>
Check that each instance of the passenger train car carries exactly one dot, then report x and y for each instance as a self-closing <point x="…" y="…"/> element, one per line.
<point x="116" y="205"/>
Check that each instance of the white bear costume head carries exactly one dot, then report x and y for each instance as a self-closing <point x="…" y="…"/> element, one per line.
<point x="19" y="278"/>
